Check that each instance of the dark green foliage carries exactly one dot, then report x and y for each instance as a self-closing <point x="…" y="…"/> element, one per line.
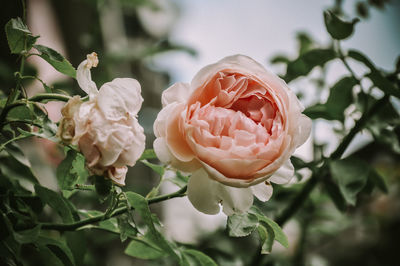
<point x="375" y="75"/>
<point x="103" y="185"/>
<point x="58" y="203"/>
<point x="240" y="225"/>
<point x="71" y="171"/>
<point x="351" y="176"/>
<point x="56" y="60"/>
<point x="307" y="61"/>
<point x="340" y="97"/>
<point x="338" y="28"/>
<point x="20" y="39"/>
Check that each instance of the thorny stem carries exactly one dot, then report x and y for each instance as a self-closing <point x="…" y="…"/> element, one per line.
<point x="116" y="212"/>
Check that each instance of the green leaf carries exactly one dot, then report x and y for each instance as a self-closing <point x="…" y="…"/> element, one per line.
<point x="71" y="171"/>
<point x="143" y="249"/>
<point x="196" y="258"/>
<point x="298" y="163"/>
<point x="159" y="169"/>
<point x="126" y="227"/>
<point x="179" y="179"/>
<point x="48" y="258"/>
<point x="334" y="193"/>
<point x="56" y="60"/>
<point x="58" y="248"/>
<point x="110" y="225"/>
<point x="148" y="154"/>
<point x="27" y="236"/>
<point x="267" y="236"/>
<point x="20" y="39"/>
<point x="13" y="168"/>
<point x="378" y="180"/>
<point x="338" y="28"/>
<point x="305" y="42"/>
<point x="376" y="76"/>
<point x="279" y="59"/>
<point x="103" y="185"/>
<point x="22" y="112"/>
<point x="58" y="203"/>
<point x="339" y="99"/>
<point x="240" y="225"/>
<point x="139" y="203"/>
<point x="307" y="61"/>
<point x="77" y="243"/>
<point x="351" y="175"/>
<point x="278" y="233"/>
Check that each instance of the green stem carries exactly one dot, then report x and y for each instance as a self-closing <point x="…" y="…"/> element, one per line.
<point x="3" y="145"/>
<point x="299" y="200"/>
<point x="42" y="97"/>
<point x="23" y="11"/>
<point x="7" y="109"/>
<point x="104" y="216"/>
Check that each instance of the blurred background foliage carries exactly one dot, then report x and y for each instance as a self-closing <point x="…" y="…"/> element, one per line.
<point x="332" y="228"/>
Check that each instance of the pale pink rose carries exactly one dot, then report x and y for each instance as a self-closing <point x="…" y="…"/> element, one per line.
<point x="234" y="128"/>
<point x="105" y="128"/>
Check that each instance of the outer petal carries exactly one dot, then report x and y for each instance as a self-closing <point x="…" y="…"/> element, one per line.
<point x="174" y="137"/>
<point x="84" y="79"/>
<point x="117" y="175"/>
<point x="284" y="174"/>
<point x="161" y="149"/>
<point x="262" y="191"/>
<point x="159" y="126"/>
<point x="134" y="147"/>
<point x="205" y="194"/>
<point x="235" y="200"/>
<point x="119" y="98"/>
<point x="179" y="92"/>
<point x="303" y="130"/>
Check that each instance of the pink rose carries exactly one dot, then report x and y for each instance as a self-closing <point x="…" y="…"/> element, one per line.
<point x="105" y="128"/>
<point x="234" y="128"/>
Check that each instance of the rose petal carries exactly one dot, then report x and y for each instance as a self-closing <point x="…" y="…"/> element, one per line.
<point x="159" y="126"/>
<point x="161" y="149"/>
<point x="178" y="92"/>
<point x="205" y="194"/>
<point x="262" y="191"/>
<point x="235" y="200"/>
<point x="120" y="98"/>
<point x="284" y="174"/>
<point x="118" y="174"/>
<point x="303" y="130"/>
<point x="84" y="79"/>
<point x="174" y="137"/>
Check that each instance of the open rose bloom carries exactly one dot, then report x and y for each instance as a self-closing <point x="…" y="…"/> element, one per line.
<point x="105" y="128"/>
<point x="234" y="128"/>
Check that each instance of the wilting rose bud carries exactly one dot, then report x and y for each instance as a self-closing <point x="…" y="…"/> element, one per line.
<point x="105" y="128"/>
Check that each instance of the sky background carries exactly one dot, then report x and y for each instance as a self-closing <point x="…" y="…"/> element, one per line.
<point x="263" y="28"/>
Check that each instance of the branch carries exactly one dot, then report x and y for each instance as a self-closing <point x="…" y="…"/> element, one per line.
<point x="299" y="200"/>
<point x="49" y="96"/>
<point x="116" y="212"/>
